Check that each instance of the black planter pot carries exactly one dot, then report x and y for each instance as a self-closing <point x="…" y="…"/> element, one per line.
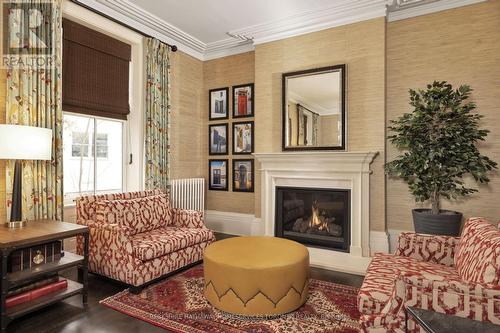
<point x="445" y="223"/>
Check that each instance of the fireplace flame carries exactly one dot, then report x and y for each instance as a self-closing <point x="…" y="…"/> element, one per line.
<point x="317" y="222"/>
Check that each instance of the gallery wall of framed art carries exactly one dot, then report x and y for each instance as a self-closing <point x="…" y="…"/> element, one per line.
<point x="228" y="138"/>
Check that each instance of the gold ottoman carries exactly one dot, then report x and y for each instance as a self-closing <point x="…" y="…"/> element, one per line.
<point x="256" y="276"/>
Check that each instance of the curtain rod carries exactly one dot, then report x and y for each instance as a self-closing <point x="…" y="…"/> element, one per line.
<point x="173" y="47"/>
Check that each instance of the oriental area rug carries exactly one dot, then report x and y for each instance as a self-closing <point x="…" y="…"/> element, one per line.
<point x="178" y="305"/>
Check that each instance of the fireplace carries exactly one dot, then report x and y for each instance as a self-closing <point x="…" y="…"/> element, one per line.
<point x="314" y="217"/>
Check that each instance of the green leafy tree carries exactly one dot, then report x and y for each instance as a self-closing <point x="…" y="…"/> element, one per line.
<point x="438" y="143"/>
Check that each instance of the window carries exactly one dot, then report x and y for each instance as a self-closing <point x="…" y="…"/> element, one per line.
<point x="101" y="145"/>
<point x="80" y="145"/>
<point x="92" y="157"/>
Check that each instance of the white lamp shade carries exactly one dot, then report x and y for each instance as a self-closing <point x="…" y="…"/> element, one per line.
<point x="25" y="143"/>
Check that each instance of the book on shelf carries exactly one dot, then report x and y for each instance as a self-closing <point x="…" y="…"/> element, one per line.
<point x="36" y="293"/>
<point x="33" y="285"/>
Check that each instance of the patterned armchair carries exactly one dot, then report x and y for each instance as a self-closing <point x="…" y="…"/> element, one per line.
<point x="456" y="276"/>
<point x="137" y="237"/>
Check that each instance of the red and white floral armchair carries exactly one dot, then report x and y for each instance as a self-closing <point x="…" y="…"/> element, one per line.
<point x="137" y="237"/>
<point x="456" y="276"/>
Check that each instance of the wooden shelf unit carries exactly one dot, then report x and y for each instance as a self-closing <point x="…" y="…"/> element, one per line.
<point x="68" y="260"/>
<point x="36" y="233"/>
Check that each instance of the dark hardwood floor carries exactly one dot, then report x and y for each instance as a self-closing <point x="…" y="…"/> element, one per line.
<point x="71" y="317"/>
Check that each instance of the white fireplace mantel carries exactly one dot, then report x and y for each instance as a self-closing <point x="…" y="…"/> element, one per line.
<point x="335" y="170"/>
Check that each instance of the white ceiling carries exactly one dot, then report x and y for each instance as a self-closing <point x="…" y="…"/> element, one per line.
<point x="200" y="27"/>
<point x="209" y="20"/>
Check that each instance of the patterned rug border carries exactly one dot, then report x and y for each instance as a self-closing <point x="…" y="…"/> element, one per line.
<point x="123" y="308"/>
<point x="175" y="326"/>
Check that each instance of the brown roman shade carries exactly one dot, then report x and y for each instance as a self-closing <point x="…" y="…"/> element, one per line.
<point x="95" y="73"/>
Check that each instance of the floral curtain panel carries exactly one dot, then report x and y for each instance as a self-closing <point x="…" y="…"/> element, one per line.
<point x="157" y="115"/>
<point x="34" y="99"/>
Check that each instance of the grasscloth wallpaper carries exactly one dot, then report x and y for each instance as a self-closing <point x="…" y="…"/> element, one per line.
<point x="219" y="73"/>
<point x="361" y="47"/>
<point x="461" y="46"/>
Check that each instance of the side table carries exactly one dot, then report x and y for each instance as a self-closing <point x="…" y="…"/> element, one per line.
<point x="35" y="233"/>
<point x="435" y="322"/>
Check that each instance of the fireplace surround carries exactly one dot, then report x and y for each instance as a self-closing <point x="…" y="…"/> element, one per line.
<point x="314" y="217"/>
<point x="322" y="170"/>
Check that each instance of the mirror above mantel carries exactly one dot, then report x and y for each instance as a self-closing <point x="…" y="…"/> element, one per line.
<point x="313" y="109"/>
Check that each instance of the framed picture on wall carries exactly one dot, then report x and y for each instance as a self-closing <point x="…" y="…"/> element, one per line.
<point x="243" y="100"/>
<point x="243" y="140"/>
<point x="243" y="176"/>
<point x="217" y="139"/>
<point x="218" y="103"/>
<point x="217" y="175"/>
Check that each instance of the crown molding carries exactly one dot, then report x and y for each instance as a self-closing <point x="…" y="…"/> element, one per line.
<point x="422" y="7"/>
<point x="156" y="27"/>
<point x="342" y="13"/>
<point x="227" y="47"/>
<point x="150" y="24"/>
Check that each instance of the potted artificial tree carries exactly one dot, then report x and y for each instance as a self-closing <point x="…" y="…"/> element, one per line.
<point x="438" y="140"/>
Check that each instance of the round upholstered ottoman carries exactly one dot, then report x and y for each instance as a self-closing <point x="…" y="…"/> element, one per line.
<point x="256" y="276"/>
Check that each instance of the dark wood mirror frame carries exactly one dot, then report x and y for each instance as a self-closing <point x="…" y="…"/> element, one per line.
<point x="342" y="145"/>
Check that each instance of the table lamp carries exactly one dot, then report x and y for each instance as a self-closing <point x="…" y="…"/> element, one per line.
<point x="22" y="143"/>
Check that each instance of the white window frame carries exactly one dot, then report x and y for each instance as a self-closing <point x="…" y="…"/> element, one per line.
<point x="70" y="200"/>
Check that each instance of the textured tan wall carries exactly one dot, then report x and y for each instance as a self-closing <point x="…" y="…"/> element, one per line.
<point x="361" y="47"/>
<point x="3" y="92"/>
<point x="461" y="46"/>
<point x="186" y="127"/>
<point x="218" y="73"/>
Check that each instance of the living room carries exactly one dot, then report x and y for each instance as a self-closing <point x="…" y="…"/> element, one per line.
<point x="214" y="166"/>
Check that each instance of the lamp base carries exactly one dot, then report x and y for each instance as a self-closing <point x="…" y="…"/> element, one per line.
<point x="15" y="224"/>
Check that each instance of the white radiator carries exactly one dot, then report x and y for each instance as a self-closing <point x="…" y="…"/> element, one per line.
<point x="188" y="193"/>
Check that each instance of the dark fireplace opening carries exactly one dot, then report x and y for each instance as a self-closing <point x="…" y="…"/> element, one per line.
<point x="314" y="217"/>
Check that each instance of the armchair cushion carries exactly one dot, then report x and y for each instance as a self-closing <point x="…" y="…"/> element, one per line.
<point x="135" y="215"/>
<point x="85" y="206"/>
<point x="159" y="242"/>
<point x="379" y="283"/>
<point x="430" y="248"/>
<point x="478" y="257"/>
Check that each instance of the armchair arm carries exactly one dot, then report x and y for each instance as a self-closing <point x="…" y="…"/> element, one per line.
<point x="433" y="291"/>
<point x="430" y="248"/>
<point x="184" y="218"/>
<point x="428" y="282"/>
<point x="448" y="295"/>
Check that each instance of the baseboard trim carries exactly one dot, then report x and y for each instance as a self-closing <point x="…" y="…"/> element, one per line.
<point x="230" y="223"/>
